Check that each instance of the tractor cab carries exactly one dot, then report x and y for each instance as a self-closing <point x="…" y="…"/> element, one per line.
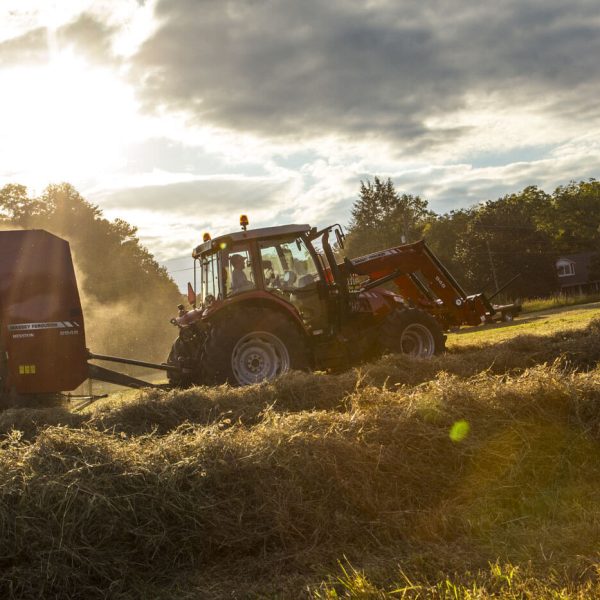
<point x="276" y="262"/>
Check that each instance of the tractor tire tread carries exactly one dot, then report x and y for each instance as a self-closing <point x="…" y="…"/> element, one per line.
<point x="395" y="323"/>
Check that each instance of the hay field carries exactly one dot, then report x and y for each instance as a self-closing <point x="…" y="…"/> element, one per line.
<point x="473" y="475"/>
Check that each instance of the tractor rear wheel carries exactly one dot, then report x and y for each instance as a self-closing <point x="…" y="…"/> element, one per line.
<point x="412" y="331"/>
<point x="253" y="345"/>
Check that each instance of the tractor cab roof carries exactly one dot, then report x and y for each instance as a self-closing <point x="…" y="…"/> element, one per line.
<point x="252" y="234"/>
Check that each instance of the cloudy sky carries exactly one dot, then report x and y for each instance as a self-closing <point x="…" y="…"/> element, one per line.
<point x="177" y="115"/>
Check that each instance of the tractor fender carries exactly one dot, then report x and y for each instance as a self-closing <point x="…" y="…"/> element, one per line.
<point x="257" y="299"/>
<point x="381" y="302"/>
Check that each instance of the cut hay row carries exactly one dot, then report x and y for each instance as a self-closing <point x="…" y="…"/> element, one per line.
<point x="447" y="475"/>
<point x="161" y="412"/>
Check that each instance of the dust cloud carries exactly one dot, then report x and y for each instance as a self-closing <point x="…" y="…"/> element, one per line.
<point x="135" y="327"/>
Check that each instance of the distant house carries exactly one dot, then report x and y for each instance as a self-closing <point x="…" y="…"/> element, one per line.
<point x="575" y="273"/>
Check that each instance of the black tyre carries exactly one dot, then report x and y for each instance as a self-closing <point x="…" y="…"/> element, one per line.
<point x="186" y="354"/>
<point x="412" y="331"/>
<point x="253" y="345"/>
<point x="176" y="356"/>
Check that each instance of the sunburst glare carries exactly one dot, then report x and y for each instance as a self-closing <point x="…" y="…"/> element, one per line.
<point x="67" y="118"/>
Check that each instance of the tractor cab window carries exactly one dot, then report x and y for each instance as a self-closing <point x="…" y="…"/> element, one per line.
<point x="239" y="270"/>
<point x="209" y="278"/>
<point x="290" y="270"/>
<point x="287" y="264"/>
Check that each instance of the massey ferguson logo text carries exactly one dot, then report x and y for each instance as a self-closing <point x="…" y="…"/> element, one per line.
<point x="37" y="326"/>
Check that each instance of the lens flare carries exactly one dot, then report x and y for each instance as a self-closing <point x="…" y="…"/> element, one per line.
<point x="459" y="431"/>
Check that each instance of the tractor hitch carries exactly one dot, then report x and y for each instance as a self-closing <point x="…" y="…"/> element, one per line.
<point x="115" y="377"/>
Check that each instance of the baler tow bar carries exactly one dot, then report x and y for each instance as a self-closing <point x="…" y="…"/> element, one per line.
<point x="109" y="376"/>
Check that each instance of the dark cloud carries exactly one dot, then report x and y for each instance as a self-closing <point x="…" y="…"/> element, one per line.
<point x="382" y="68"/>
<point x="28" y="49"/>
<point x="88" y="36"/>
<point x="284" y="67"/>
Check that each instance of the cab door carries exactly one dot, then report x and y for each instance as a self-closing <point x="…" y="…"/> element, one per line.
<point x="290" y="271"/>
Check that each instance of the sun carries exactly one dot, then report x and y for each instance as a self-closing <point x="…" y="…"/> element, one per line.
<point x="64" y="120"/>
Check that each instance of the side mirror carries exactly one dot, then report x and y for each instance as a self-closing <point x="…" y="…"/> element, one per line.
<point x="339" y="236"/>
<point x="191" y="295"/>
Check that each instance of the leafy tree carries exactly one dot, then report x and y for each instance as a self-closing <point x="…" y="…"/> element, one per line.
<point x="382" y="218"/>
<point x="444" y="233"/>
<point x="573" y="220"/>
<point x="17" y="208"/>
<point x="503" y="239"/>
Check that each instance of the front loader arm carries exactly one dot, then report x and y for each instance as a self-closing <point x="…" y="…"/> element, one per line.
<point x="423" y="281"/>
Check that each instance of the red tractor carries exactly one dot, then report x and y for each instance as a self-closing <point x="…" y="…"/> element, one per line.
<point x="273" y="299"/>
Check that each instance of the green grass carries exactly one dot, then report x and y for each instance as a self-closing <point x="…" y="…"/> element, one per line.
<point x="557" y="301"/>
<point x="498" y="580"/>
<point x="545" y="322"/>
<point x="472" y="475"/>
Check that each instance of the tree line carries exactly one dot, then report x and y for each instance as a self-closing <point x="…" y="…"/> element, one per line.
<point x="487" y="244"/>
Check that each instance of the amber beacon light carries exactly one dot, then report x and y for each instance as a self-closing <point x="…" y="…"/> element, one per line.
<point x="244" y="222"/>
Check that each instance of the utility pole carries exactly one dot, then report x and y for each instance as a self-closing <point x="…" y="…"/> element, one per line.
<point x="405" y="223"/>
<point x="487" y="243"/>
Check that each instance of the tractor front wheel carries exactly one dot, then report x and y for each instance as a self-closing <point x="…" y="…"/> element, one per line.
<point x="412" y="331"/>
<point x="177" y="355"/>
<point x="252" y="346"/>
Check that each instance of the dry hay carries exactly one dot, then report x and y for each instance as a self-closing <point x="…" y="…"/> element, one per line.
<point x="167" y="495"/>
<point x="162" y="412"/>
<point x="86" y="513"/>
<point x="29" y="421"/>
